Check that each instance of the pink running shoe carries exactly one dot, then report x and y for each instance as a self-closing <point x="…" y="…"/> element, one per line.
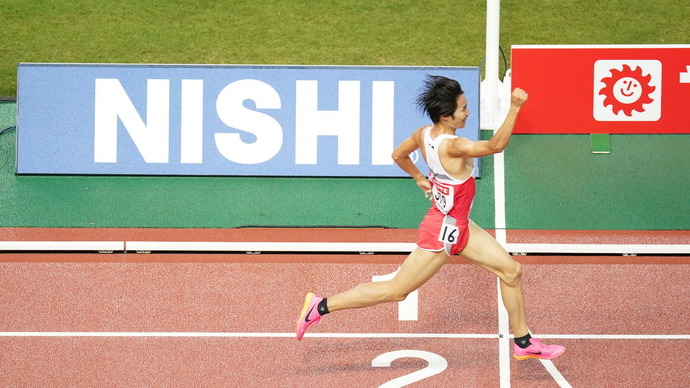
<point x="309" y="315"/>
<point x="537" y="350"/>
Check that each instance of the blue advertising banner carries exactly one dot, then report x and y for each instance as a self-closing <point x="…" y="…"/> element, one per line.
<point x="208" y="120"/>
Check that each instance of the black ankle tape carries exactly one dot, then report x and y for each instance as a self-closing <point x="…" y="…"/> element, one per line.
<point x="523" y="342"/>
<point x="322" y="308"/>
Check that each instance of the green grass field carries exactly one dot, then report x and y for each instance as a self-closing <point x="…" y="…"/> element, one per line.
<point x="320" y="32"/>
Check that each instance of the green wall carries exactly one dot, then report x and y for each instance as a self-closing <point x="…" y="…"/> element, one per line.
<point x="555" y="182"/>
<point x="552" y="181"/>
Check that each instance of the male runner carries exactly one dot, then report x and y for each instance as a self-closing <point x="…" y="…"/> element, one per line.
<point x="446" y="229"/>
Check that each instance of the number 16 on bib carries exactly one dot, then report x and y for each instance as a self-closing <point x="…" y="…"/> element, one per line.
<point x="449" y="234"/>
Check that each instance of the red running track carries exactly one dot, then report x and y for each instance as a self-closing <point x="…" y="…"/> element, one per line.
<point x="230" y="296"/>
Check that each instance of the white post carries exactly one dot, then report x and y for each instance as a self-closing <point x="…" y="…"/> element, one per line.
<point x="491" y="118"/>
<point x="491" y="84"/>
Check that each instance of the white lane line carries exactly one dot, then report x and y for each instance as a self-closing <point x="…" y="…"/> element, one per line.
<point x="503" y="341"/>
<point x="241" y="335"/>
<point x="336" y="335"/>
<point x="500" y="231"/>
<point x="619" y="336"/>
<point x="557" y="376"/>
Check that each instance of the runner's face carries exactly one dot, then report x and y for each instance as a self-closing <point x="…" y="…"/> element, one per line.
<point x="459" y="118"/>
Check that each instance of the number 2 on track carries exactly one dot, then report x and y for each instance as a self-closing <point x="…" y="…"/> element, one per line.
<point x="437" y="364"/>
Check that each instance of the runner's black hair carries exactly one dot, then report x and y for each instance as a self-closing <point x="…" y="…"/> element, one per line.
<point x="438" y="97"/>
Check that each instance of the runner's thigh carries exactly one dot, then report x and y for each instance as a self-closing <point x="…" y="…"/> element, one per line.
<point x="419" y="267"/>
<point x="483" y="250"/>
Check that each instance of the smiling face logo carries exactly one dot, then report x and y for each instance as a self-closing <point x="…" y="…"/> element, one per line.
<point x="627" y="90"/>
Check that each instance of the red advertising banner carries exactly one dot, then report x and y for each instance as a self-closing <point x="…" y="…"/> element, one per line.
<point x="603" y="89"/>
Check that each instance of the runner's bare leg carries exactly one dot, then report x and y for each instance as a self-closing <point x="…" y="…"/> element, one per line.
<point x="419" y="267"/>
<point x="485" y="251"/>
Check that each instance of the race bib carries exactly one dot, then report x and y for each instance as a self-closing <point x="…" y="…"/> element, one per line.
<point x="443" y="197"/>
<point x="449" y="234"/>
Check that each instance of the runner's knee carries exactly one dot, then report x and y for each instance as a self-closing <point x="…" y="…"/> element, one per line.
<point x="513" y="274"/>
<point x="399" y="297"/>
<point x="394" y="294"/>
